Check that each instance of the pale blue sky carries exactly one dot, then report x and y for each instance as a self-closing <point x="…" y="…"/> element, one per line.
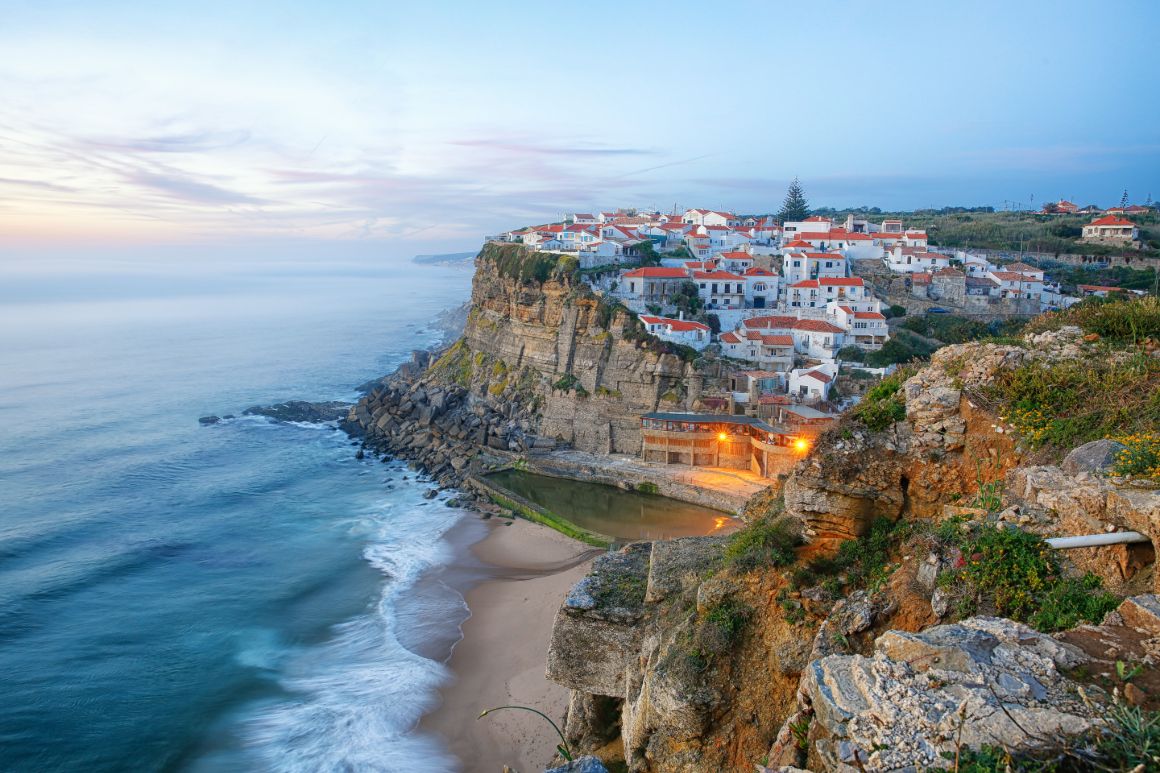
<point x="130" y="124"/>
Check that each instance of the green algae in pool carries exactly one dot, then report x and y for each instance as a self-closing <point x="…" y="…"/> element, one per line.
<point x="623" y="515"/>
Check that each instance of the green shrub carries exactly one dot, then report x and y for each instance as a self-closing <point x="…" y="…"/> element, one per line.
<point x="566" y="382"/>
<point x="648" y="487"/>
<point x="1011" y="573"/>
<point x="769" y="541"/>
<point x="852" y="353"/>
<point x="1119" y="321"/>
<point x="861" y="563"/>
<point x="1064" y="404"/>
<point x="883" y="403"/>
<point x="1140" y="457"/>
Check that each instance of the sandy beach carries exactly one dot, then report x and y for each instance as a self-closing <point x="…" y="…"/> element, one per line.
<point x="527" y="570"/>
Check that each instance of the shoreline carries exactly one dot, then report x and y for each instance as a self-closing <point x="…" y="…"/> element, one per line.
<point x="513" y="580"/>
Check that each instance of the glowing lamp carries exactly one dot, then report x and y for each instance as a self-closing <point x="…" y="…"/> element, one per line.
<point x="722" y="436"/>
<point x="801" y="445"/>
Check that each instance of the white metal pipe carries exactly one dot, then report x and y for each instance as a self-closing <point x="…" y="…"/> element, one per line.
<point x="1096" y="540"/>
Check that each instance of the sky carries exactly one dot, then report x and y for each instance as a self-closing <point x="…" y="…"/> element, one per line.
<point x="164" y="128"/>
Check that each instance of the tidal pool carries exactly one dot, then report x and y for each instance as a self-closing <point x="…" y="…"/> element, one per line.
<point x="623" y="515"/>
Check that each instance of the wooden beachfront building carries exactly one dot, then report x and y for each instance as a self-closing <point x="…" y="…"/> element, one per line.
<point x="722" y="440"/>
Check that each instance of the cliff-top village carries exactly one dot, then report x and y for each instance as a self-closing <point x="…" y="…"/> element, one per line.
<point x="787" y="304"/>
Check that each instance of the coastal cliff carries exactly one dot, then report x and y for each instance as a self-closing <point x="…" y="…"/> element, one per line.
<point x="893" y="605"/>
<point x="542" y="363"/>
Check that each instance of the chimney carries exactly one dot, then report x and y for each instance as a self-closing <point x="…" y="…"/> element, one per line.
<point x="681" y="315"/>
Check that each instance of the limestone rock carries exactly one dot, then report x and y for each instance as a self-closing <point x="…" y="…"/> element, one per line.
<point x="1095" y="457"/>
<point x="595" y="632"/>
<point x="909" y="703"/>
<point x="586" y="764"/>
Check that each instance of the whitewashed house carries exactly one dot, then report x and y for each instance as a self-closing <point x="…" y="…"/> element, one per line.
<point x="678" y="331"/>
<point x="761" y="288"/>
<point x="910" y="260"/>
<point x="1013" y="284"/>
<point x="866" y="329"/>
<point x="1111" y="228"/>
<point x="720" y="289"/>
<point x="812" y="384"/>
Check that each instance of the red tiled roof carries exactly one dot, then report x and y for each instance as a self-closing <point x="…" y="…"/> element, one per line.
<point x="657" y="272"/>
<point x="736" y="255"/>
<point x="758" y="271"/>
<point x="799" y="243"/>
<point x="1111" y="220"/>
<point x="777" y="340"/>
<point x="770" y="322"/>
<point x="1012" y="276"/>
<point x="841" y="281"/>
<point x="806" y="283"/>
<point x="868" y="315"/>
<point x="817" y="219"/>
<point x="730" y="338"/>
<point x="817" y="374"/>
<point x="816" y="326"/>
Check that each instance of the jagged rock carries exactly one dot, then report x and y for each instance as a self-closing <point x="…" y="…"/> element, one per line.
<point x="1095" y="457"/>
<point x="595" y="632"/>
<point x="920" y="694"/>
<point x="677" y="565"/>
<point x="1141" y="613"/>
<point x="207" y="420"/>
<point x="587" y="764"/>
<point x="301" y="410"/>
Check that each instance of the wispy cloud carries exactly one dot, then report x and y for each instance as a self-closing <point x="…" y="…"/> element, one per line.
<point x="527" y="147"/>
<point x="189" y="142"/>
<point x="187" y="189"/>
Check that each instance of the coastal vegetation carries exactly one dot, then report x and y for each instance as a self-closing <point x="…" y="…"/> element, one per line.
<point x="1015" y="574"/>
<point x="1015" y="232"/>
<point x="883" y="403"/>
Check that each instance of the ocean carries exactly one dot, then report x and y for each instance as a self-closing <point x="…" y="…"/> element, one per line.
<point x="234" y="597"/>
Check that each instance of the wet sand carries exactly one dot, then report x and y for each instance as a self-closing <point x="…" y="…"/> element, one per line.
<point x="516" y="578"/>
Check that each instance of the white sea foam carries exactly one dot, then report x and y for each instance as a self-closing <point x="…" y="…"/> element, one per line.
<point x="357" y="698"/>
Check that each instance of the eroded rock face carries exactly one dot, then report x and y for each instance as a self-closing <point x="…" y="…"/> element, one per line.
<point x="983" y="681"/>
<point x="1083" y="503"/>
<point x="597" y="633"/>
<point x="933" y="457"/>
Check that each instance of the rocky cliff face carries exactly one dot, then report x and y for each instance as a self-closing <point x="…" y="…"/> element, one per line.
<point x="542" y="362"/>
<point x="680" y="661"/>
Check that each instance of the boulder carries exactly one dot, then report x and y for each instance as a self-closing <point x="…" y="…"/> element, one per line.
<point x="586" y="764"/>
<point x="1095" y="457"/>
<point x="207" y="420"/>
<point x="983" y="681"/>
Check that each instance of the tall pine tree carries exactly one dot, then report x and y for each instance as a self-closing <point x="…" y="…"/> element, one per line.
<point x="795" y="207"/>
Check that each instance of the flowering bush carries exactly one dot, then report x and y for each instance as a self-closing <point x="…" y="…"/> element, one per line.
<point x="1141" y="457"/>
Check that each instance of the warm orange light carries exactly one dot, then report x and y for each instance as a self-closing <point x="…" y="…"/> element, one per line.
<point x="722" y="436"/>
<point x="802" y="445"/>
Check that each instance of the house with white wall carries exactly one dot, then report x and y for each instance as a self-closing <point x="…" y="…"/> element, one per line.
<point x="910" y="260"/>
<point x="761" y="288"/>
<point x="1111" y="229"/>
<point x="1013" y="284"/>
<point x="797" y="266"/>
<point x="678" y="331"/>
<point x="866" y="329"/>
<point x="812" y="384"/>
<point x="720" y="289"/>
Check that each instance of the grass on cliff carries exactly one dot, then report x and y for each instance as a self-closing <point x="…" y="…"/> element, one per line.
<point x="1122" y="322"/>
<point x="883" y="403"/>
<point x="771" y="540"/>
<point x="526" y="266"/>
<point x="1012" y="573"/>
<point x="1060" y="405"/>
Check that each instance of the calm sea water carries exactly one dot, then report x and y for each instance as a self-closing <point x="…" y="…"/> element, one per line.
<point x="179" y="597"/>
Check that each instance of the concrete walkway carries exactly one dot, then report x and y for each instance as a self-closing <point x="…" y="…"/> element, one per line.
<point x="717" y="487"/>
